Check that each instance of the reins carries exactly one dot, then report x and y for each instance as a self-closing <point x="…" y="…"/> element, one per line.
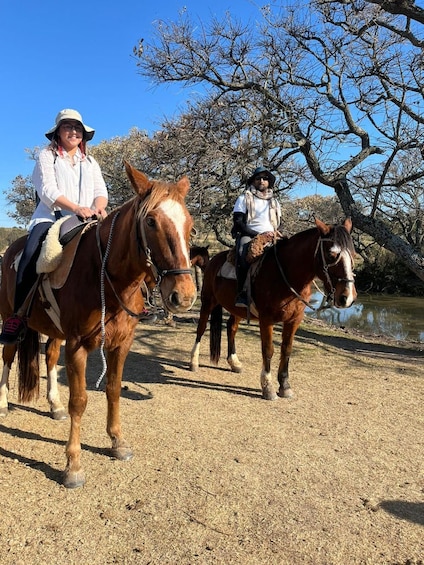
<point x="283" y="275"/>
<point x="104" y="273"/>
<point x="158" y="274"/>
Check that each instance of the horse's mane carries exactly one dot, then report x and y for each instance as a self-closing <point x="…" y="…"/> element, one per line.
<point x="338" y="234"/>
<point x="159" y="192"/>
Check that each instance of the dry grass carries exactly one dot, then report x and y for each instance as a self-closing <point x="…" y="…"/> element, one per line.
<point x="332" y="477"/>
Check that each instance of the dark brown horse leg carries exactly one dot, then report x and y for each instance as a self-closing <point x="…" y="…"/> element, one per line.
<point x="205" y="310"/>
<point x="197" y="277"/>
<point x="9" y="352"/>
<point x="288" y="333"/>
<point x="232" y="359"/>
<point x="115" y="366"/>
<point x="76" y="362"/>
<point x="268" y="391"/>
<point x="57" y="410"/>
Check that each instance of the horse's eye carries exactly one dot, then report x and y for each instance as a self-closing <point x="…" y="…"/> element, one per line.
<point x="150" y="222"/>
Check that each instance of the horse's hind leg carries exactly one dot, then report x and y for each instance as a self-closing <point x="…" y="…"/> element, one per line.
<point x="232" y="359"/>
<point x="57" y="410"/>
<point x="9" y="352"/>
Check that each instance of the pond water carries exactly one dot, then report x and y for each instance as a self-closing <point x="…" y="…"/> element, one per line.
<point x="398" y="317"/>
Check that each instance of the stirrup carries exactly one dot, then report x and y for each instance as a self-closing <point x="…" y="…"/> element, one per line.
<point x="241" y="300"/>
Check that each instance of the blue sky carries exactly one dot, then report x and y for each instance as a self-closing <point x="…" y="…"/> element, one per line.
<point x="79" y="55"/>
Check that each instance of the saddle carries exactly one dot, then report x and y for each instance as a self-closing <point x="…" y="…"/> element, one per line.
<point x="257" y="247"/>
<point x="59" y="248"/>
<point x="54" y="263"/>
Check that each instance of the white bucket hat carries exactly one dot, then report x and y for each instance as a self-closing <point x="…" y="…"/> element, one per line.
<point x="68" y="114"/>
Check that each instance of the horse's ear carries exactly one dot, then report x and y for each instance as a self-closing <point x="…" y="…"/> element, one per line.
<point x="348" y="225"/>
<point x="183" y="185"/>
<point x="140" y="182"/>
<point x="323" y="228"/>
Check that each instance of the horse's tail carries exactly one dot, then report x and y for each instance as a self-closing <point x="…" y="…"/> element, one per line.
<point x="215" y="334"/>
<point x="29" y="366"/>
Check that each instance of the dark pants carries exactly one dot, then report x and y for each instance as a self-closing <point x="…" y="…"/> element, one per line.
<point x="242" y="266"/>
<point x="27" y="269"/>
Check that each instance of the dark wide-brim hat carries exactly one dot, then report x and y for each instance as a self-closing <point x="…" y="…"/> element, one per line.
<point x="260" y="171"/>
<point x="69" y="114"/>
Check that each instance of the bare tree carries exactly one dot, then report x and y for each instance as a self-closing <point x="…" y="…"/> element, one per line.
<point x="339" y="85"/>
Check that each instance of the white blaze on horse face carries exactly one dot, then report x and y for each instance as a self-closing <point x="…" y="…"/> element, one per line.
<point x="335" y="249"/>
<point x="346" y="259"/>
<point x="174" y="211"/>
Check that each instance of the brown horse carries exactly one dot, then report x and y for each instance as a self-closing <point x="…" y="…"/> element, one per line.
<point x="280" y="290"/>
<point x="99" y="304"/>
<point x="199" y="258"/>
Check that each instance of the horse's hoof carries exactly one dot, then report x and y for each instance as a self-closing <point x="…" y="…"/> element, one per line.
<point x="4" y="412"/>
<point x="122" y="453"/>
<point x="269" y="394"/>
<point x="193" y="367"/>
<point x="236" y="369"/>
<point x="59" y="414"/>
<point x="73" y="479"/>
<point x="285" y="393"/>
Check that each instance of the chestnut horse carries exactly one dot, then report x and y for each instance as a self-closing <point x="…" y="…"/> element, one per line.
<point x="99" y="304"/>
<point x="280" y="290"/>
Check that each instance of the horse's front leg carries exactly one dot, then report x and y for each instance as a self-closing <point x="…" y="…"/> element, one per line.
<point x="288" y="333"/>
<point x="57" y="410"/>
<point x="232" y="359"/>
<point x="76" y="363"/>
<point x="115" y="365"/>
<point x="9" y="352"/>
<point x="266" y="329"/>
<point x="205" y="310"/>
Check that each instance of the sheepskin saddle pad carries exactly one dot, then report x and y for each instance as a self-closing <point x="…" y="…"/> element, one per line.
<point x="257" y="246"/>
<point x="59" y="248"/>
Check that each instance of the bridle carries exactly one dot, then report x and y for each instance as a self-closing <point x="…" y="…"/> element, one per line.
<point x="326" y="266"/>
<point x="329" y="299"/>
<point x="158" y="273"/>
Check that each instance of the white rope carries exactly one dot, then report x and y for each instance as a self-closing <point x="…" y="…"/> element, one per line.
<point x="103" y="303"/>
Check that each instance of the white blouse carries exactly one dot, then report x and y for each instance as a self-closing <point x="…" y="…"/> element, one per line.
<point x="78" y="179"/>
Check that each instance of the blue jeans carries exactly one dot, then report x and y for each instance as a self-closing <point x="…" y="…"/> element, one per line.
<point x="27" y="269"/>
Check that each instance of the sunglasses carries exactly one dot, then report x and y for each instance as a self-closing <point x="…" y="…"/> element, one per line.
<point x="72" y="127"/>
<point x="262" y="177"/>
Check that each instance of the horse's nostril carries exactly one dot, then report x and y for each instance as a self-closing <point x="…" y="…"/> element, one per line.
<point x="174" y="300"/>
<point x="343" y="300"/>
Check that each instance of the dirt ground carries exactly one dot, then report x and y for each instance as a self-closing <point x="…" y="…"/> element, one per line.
<point x="331" y="477"/>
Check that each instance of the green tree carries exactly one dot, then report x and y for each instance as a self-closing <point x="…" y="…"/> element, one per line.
<point x="22" y="198"/>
